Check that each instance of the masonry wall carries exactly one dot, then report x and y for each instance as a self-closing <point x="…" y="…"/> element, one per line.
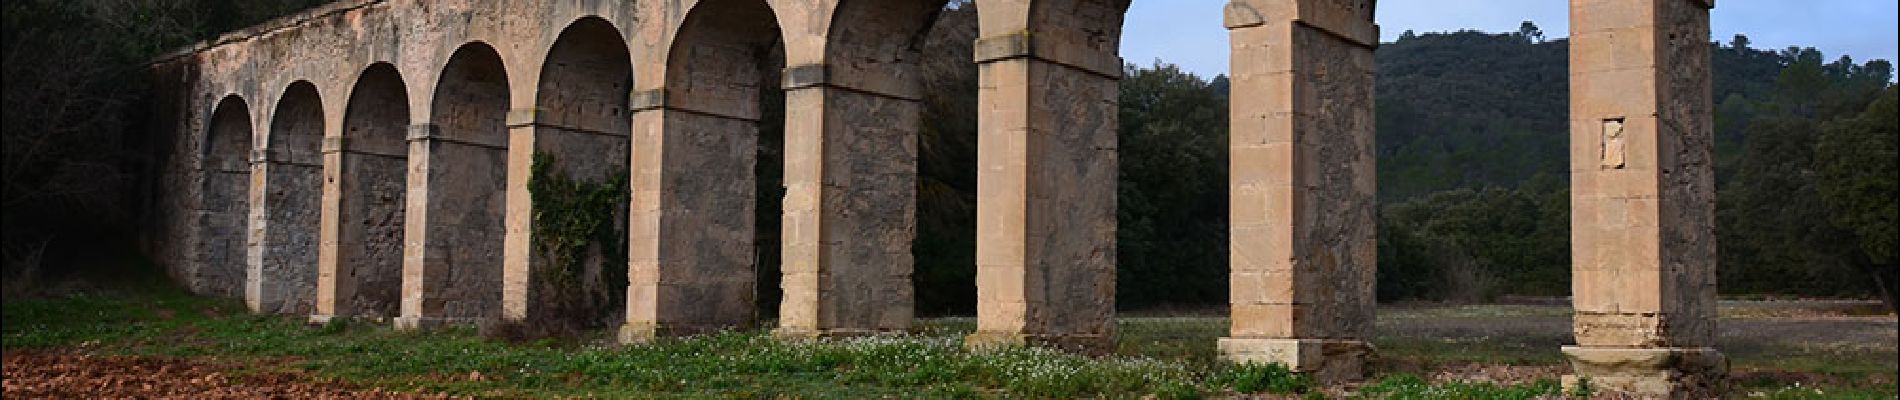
<point x="329" y="46"/>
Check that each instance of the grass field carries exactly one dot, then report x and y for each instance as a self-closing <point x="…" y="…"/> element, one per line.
<point x="1779" y="350"/>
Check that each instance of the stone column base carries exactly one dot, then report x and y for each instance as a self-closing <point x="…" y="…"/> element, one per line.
<point x="324" y="319"/>
<point x="638" y="333"/>
<point x="424" y="324"/>
<point x="1676" y="373"/>
<point x="321" y="319"/>
<point x="643" y="332"/>
<point x="1085" y="344"/>
<point x="1326" y="360"/>
<point x="795" y="334"/>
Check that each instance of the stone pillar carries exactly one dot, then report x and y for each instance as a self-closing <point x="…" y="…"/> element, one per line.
<point x="1643" y="199"/>
<point x="579" y="153"/>
<point x="451" y="268"/>
<point x="690" y="262"/>
<point x="1046" y="191"/>
<point x="850" y="203"/>
<point x="1302" y="189"/>
<point x="282" y="249"/>
<point x="518" y="252"/>
<point x="359" y="265"/>
<point x="334" y="288"/>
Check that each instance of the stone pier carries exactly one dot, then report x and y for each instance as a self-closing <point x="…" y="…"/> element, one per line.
<point x="851" y="174"/>
<point x="1643" y="199"/>
<point x="1303" y="219"/>
<point x="1045" y="230"/>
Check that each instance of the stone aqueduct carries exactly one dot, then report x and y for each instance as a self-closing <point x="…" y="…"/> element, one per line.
<point x="371" y="158"/>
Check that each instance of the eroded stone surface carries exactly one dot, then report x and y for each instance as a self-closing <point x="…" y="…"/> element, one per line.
<point x="1674" y="373"/>
<point x="1326" y="360"/>
<point x="218" y="260"/>
<point x="850" y="213"/>
<point x="1046" y="183"/>
<point x="360" y="272"/>
<point x="1303" y="221"/>
<point x="1642" y="224"/>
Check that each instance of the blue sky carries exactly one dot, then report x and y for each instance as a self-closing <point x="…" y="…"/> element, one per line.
<point x="1188" y="32"/>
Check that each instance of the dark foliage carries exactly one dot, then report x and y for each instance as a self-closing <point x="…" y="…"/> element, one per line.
<point x="73" y="150"/>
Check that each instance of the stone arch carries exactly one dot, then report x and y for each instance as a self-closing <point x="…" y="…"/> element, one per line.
<point x="471" y="96"/>
<point x="576" y="133"/>
<point x="365" y="184"/>
<point x="225" y="205"/>
<point x="453" y="230"/>
<point x="693" y="263"/>
<point x="286" y="186"/>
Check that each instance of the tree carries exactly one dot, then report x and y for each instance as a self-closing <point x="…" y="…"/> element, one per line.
<point x="74" y="142"/>
<point x="1529" y="31"/>
<point x="1740" y="42"/>
<point x="1172" y="208"/>
<point x="1856" y="160"/>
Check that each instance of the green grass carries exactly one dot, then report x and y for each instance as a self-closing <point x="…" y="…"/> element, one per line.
<point x="1162" y="357"/>
<point x="1407" y="387"/>
<point x="164" y="322"/>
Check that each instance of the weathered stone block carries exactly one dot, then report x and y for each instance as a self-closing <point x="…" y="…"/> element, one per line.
<point x="1325" y="360"/>
<point x="1671" y="372"/>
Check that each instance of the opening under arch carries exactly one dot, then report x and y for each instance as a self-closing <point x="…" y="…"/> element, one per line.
<point x="457" y="168"/>
<point x="225" y="204"/>
<point x="283" y="268"/>
<point x="372" y="186"/>
<point x="574" y="270"/>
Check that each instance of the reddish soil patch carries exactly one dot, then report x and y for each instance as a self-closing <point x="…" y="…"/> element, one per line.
<point x="62" y="375"/>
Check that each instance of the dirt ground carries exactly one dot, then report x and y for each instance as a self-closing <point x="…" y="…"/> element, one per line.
<point x="40" y="375"/>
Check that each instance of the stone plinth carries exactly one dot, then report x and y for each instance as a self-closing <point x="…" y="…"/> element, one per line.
<point x="1676" y="373"/>
<point x="1323" y="359"/>
<point x="425" y="324"/>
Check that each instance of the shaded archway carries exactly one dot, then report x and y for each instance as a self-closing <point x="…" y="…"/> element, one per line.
<point x="567" y="247"/>
<point x="457" y="167"/>
<point x="695" y="248"/>
<point x="365" y="185"/>
<point x="286" y="186"/>
<point x="225" y="206"/>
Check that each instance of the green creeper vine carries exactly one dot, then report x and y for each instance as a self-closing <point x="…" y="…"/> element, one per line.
<point x="572" y="220"/>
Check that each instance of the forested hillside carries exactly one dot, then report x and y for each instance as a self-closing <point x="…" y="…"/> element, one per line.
<point x="1473" y="145"/>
